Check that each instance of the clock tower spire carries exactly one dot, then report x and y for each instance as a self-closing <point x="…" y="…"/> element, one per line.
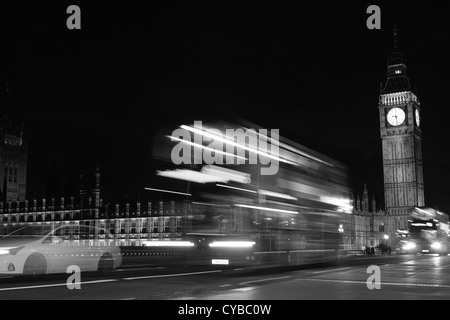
<point x="397" y="78"/>
<point x="401" y="135"/>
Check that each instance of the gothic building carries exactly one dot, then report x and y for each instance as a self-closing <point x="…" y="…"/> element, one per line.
<point x="401" y="135"/>
<point x="13" y="152"/>
<point x="367" y="226"/>
<point x="131" y="223"/>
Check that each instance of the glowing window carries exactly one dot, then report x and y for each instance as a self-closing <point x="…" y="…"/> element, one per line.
<point x="397" y="72"/>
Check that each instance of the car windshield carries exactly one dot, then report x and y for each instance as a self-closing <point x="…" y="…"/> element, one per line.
<point x="24" y="231"/>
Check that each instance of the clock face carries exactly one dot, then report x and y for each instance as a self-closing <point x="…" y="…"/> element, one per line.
<point x="396" y="116"/>
<point x="417" y="118"/>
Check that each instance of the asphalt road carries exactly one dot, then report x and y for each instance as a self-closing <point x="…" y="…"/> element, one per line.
<point x="401" y="277"/>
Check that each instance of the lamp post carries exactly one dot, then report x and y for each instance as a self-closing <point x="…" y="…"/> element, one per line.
<point x="341" y="240"/>
<point x="386" y="238"/>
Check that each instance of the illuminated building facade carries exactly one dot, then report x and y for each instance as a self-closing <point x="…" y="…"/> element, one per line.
<point x="366" y="226"/>
<point x="131" y="223"/>
<point x="401" y="137"/>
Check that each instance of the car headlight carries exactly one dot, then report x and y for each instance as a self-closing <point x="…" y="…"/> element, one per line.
<point x="436" y="245"/>
<point x="11" y="250"/>
<point x="409" y="246"/>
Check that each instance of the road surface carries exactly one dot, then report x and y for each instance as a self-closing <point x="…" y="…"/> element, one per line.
<point x="401" y="277"/>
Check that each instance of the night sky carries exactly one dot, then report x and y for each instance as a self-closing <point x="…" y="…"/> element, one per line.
<point x="96" y="96"/>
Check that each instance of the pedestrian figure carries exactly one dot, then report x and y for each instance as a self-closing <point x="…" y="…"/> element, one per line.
<point x="372" y="250"/>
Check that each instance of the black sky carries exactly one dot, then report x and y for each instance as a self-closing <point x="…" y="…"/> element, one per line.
<point x="95" y="96"/>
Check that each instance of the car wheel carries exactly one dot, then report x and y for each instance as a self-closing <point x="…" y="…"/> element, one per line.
<point x="106" y="263"/>
<point x="35" y="265"/>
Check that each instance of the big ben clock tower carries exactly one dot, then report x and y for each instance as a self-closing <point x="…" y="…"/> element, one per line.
<point x="401" y="137"/>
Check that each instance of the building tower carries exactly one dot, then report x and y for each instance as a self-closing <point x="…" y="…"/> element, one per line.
<point x="13" y="149"/>
<point x="96" y="191"/>
<point x="401" y="137"/>
<point x="365" y="200"/>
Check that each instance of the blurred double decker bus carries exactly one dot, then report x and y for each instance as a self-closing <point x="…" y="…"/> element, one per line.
<point x="236" y="216"/>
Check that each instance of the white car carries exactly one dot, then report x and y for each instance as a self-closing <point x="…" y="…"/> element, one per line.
<point x="36" y="250"/>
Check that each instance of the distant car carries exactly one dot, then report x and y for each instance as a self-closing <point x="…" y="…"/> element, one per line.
<point x="38" y="250"/>
<point x="424" y="246"/>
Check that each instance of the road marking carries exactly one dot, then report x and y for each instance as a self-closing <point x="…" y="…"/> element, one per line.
<point x="225" y="285"/>
<point x="56" y="285"/>
<point x="107" y="280"/>
<point x="137" y="269"/>
<point x="261" y="280"/>
<point x="331" y="270"/>
<point x="382" y="283"/>
<point x="140" y="265"/>
<point x="172" y="275"/>
<point x="99" y="281"/>
<point x="128" y="299"/>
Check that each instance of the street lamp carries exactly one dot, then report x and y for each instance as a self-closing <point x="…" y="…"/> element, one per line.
<point x="386" y="238"/>
<point x="341" y="231"/>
